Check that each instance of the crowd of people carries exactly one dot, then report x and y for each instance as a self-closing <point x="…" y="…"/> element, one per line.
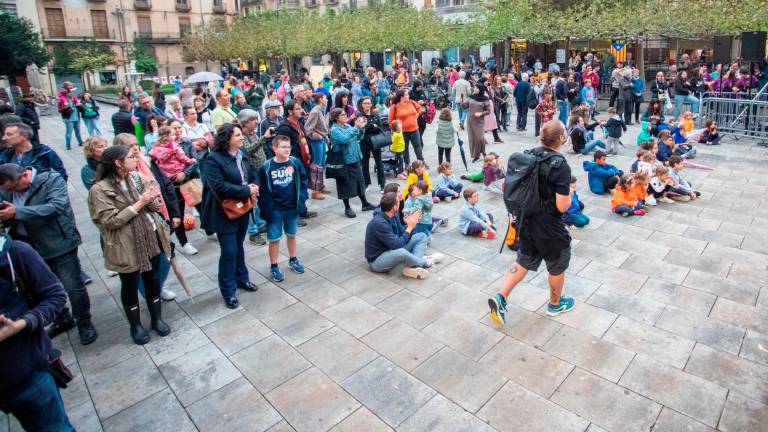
<point x="247" y="157"/>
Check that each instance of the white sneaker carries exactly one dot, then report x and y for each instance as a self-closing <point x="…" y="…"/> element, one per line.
<point x="666" y="200"/>
<point x="415" y="272"/>
<point x="187" y="249"/>
<point x="448" y="199"/>
<point x="651" y="201"/>
<point x="167" y="295"/>
<point x="435" y="257"/>
<point x="110" y="273"/>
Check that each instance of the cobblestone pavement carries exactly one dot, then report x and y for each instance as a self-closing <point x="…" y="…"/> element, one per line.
<point x="670" y="330"/>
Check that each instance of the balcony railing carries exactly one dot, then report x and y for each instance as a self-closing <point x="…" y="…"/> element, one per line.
<point x="159" y="38"/>
<point x="183" y="6"/>
<point x="142" y="4"/>
<point x="219" y="8"/>
<point x="332" y="2"/>
<point x="311" y="3"/>
<point x="76" y="34"/>
<point x="250" y="2"/>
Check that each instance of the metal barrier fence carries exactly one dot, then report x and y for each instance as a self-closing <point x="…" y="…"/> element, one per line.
<point x="738" y="116"/>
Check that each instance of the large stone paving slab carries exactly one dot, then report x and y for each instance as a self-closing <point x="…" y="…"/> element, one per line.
<point x="440" y="414"/>
<point x="214" y="412"/>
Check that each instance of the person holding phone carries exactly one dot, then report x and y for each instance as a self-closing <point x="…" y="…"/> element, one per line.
<point x="124" y="205"/>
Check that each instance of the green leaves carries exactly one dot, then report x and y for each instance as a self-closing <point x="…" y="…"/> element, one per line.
<point x="140" y="53"/>
<point x="20" y="45"/>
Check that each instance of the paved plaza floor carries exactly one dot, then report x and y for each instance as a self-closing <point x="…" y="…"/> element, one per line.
<point x="669" y="333"/>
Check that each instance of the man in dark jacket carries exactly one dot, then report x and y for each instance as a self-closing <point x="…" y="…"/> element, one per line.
<point x="388" y="243"/>
<point x="293" y="129"/>
<point x="521" y="101"/>
<point x="27" y="389"/>
<point x="36" y="207"/>
<point x="25" y="109"/>
<point x="122" y="120"/>
<point x="561" y="94"/>
<point x="20" y="150"/>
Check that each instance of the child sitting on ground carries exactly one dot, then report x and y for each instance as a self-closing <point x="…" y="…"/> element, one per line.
<point x="624" y="201"/>
<point x="645" y="163"/>
<point x="419" y="199"/>
<point x="645" y="132"/>
<point x="615" y="127"/>
<point x="574" y="216"/>
<point x="601" y="176"/>
<point x="682" y="188"/>
<point x="417" y="171"/>
<point x="660" y="184"/>
<point x="492" y="174"/>
<point x="478" y="176"/>
<point x="640" y="188"/>
<point x="398" y="148"/>
<point x="447" y="186"/>
<point x="666" y="146"/>
<point x="474" y="221"/>
<point x="710" y="136"/>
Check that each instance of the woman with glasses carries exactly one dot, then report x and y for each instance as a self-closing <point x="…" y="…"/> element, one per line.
<point x="124" y="205"/>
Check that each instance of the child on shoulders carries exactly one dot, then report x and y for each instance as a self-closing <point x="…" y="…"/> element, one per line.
<point x="492" y="174"/>
<point x="601" y="176"/>
<point x="624" y="201"/>
<point x="574" y="216"/>
<point x="447" y="186"/>
<point x="473" y="220"/>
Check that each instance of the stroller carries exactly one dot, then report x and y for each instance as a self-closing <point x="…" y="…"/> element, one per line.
<point x="388" y="160"/>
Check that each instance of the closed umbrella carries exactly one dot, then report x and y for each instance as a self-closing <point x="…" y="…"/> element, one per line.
<point x="202" y="77"/>
<point x="461" y="151"/>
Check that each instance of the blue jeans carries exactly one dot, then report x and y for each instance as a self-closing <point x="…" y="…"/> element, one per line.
<point x="67" y="269"/>
<point x="72" y="126"/>
<point x="625" y="208"/>
<point x="232" y="269"/>
<point x="411" y="255"/>
<point x="680" y="100"/>
<point x="563" y="114"/>
<point x="92" y="124"/>
<point x="591" y="146"/>
<point x="463" y="114"/>
<point x="163" y="269"/>
<point x="282" y="222"/>
<point x="319" y="149"/>
<point x="38" y="405"/>
<point x="255" y="222"/>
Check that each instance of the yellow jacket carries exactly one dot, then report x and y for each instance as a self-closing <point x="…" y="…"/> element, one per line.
<point x="398" y="142"/>
<point x="413" y="178"/>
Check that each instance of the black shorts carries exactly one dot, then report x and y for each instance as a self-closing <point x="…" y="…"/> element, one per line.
<point x="555" y="253"/>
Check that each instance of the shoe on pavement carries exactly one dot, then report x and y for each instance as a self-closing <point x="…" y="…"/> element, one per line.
<point x="232" y="302"/>
<point x="277" y="274"/>
<point x="167" y="295"/>
<point x="681" y="198"/>
<point x="248" y="286"/>
<point x="87" y="332"/>
<point x="415" y="272"/>
<point x="498" y="307"/>
<point x="368" y="207"/>
<point x="435" y="257"/>
<point x="111" y="273"/>
<point x="58" y="328"/>
<point x="348" y="212"/>
<point x="640" y="212"/>
<point x="309" y="214"/>
<point x="565" y="305"/>
<point x="87" y="280"/>
<point x="302" y="222"/>
<point x="187" y="249"/>
<point x="296" y="266"/>
<point x="257" y="239"/>
<point x="666" y="200"/>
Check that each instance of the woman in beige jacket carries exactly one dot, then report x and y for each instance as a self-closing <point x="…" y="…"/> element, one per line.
<point x="123" y="204"/>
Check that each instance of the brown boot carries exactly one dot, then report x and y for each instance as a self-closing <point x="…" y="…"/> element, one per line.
<point x="317" y="195"/>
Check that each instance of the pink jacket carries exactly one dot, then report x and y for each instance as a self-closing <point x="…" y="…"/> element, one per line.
<point x="170" y="158"/>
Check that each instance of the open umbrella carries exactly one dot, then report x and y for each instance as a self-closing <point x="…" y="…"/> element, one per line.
<point x="461" y="150"/>
<point x="202" y="77"/>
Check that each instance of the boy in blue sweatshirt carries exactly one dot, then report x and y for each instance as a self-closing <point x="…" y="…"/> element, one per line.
<point x="574" y="216"/>
<point x="602" y="177"/>
<point x="282" y="178"/>
<point x="474" y="221"/>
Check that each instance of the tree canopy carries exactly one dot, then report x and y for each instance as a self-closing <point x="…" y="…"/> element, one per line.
<point x="146" y="62"/>
<point x="20" y="45"/>
<point x="389" y="26"/>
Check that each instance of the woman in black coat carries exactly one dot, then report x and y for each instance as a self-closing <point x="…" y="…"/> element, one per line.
<point x="366" y="109"/>
<point x="228" y="175"/>
<point x="26" y="110"/>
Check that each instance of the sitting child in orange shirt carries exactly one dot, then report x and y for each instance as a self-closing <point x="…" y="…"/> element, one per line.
<point x="624" y="201"/>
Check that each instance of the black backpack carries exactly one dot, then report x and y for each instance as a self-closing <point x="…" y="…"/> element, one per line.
<point x="533" y="101"/>
<point x="525" y="189"/>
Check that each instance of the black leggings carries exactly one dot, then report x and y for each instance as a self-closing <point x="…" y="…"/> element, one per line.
<point x="367" y="149"/>
<point x="181" y="233"/>
<point x="129" y="289"/>
<point x="610" y="183"/>
<point x="441" y="151"/>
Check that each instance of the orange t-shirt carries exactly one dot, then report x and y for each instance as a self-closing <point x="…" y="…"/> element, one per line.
<point x="406" y="112"/>
<point x="623" y="198"/>
<point x="640" y="191"/>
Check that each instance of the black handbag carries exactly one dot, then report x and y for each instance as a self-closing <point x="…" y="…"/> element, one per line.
<point x="381" y="140"/>
<point x="334" y="164"/>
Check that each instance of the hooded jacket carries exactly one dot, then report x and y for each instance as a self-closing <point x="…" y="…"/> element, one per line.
<point x="597" y="174"/>
<point x="26" y="352"/>
<point x="42" y="158"/>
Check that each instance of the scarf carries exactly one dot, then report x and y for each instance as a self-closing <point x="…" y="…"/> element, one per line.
<point x="144" y="239"/>
<point x="482" y="96"/>
<point x="303" y="146"/>
<point x="143" y="169"/>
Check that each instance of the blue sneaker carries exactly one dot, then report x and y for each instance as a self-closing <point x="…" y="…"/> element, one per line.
<point x="566" y="304"/>
<point x="296" y="266"/>
<point x="498" y="309"/>
<point x="277" y="275"/>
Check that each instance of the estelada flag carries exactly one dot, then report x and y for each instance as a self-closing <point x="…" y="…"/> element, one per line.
<point x="619" y="51"/>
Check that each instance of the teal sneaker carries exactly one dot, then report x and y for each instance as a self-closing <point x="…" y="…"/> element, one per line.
<point x="296" y="266"/>
<point x="277" y="274"/>
<point x="566" y="304"/>
<point x="498" y="307"/>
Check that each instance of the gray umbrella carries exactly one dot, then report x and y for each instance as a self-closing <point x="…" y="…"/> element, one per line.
<point x="202" y="77"/>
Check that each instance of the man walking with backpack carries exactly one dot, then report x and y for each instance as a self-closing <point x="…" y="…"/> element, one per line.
<point x="543" y="235"/>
